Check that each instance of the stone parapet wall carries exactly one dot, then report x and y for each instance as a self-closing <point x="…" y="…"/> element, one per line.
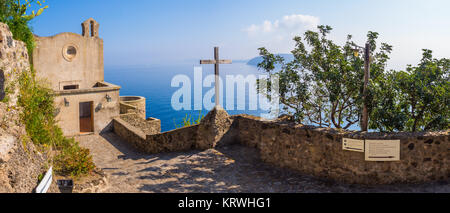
<point x="149" y="126"/>
<point x="318" y="152"/>
<point x="182" y="139"/>
<point x="214" y="130"/>
<point x="306" y="149"/>
<point x="133" y="135"/>
<point x="133" y="104"/>
<point x="127" y="108"/>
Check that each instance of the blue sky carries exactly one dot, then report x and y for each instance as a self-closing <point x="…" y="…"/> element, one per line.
<point x="148" y="32"/>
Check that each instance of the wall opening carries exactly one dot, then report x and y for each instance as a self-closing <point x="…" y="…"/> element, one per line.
<point x="71" y="87"/>
<point x="2" y="85"/>
<point x="92" y="29"/>
<point x="70" y="52"/>
<point x="86" y="117"/>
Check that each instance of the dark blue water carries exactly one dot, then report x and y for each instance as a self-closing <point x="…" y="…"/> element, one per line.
<point x="154" y="83"/>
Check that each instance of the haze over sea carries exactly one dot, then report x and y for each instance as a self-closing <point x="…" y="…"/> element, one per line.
<point x="154" y="83"/>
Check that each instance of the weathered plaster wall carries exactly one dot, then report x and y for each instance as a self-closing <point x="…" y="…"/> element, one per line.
<point x="104" y="111"/>
<point x="20" y="162"/>
<point x="318" y="151"/>
<point x="85" y="69"/>
<point x="76" y="61"/>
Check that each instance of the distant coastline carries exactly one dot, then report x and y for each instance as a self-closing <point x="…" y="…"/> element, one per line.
<point x="257" y="60"/>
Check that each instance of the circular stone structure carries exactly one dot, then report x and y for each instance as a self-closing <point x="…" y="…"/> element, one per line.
<point x="133" y="104"/>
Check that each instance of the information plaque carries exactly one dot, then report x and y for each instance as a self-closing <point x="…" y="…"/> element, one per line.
<point x="353" y="145"/>
<point x="382" y="150"/>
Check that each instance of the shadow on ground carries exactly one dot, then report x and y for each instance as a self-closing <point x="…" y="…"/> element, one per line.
<point x="228" y="169"/>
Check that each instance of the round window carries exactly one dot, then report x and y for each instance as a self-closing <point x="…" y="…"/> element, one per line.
<point x="70" y="52"/>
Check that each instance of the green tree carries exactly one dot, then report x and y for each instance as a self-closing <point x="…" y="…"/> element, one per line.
<point x="15" y="13"/>
<point x="323" y="84"/>
<point x="386" y="104"/>
<point x="424" y="92"/>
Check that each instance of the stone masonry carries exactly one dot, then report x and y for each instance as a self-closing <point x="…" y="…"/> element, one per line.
<point x="305" y="149"/>
<point x="318" y="152"/>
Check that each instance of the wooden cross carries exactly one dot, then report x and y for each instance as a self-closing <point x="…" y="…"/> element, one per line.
<point x="216" y="63"/>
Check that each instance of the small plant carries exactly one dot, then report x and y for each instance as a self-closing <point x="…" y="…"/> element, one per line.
<point x="73" y="160"/>
<point x="40" y="177"/>
<point x="189" y="121"/>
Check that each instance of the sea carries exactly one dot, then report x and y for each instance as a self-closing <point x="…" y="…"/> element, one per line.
<point x="155" y="84"/>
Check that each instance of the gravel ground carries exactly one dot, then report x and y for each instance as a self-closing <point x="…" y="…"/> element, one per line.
<point x="229" y="169"/>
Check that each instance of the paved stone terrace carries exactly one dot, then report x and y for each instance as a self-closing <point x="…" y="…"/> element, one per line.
<point x="228" y="169"/>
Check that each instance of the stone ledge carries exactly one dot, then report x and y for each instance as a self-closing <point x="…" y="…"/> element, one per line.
<point x="318" y="152"/>
<point x="110" y="87"/>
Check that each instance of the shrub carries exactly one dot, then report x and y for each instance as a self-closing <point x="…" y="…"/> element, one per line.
<point x="73" y="160"/>
<point x="417" y="99"/>
<point x="38" y="115"/>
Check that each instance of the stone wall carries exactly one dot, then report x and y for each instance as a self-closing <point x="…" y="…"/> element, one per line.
<point x="182" y="139"/>
<point x="127" y="108"/>
<point x="149" y="126"/>
<point x="318" y="152"/>
<point x="133" y="135"/>
<point x="214" y="130"/>
<point x="153" y="142"/>
<point x="306" y="149"/>
<point x="133" y="104"/>
<point x="20" y="162"/>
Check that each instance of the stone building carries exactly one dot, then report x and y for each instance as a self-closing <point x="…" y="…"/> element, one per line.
<point x="72" y="65"/>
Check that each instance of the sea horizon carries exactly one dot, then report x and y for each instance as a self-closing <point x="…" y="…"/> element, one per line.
<point x="154" y="83"/>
